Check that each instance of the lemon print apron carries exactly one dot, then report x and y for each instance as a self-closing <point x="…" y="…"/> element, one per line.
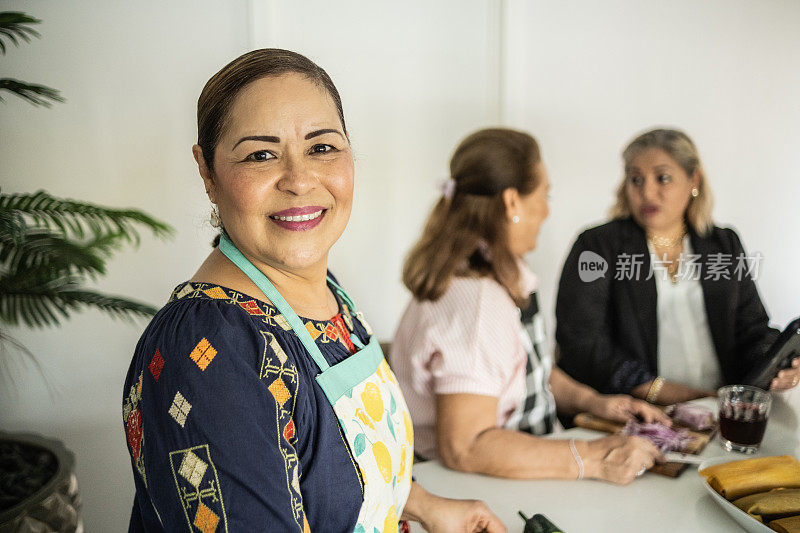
<point x="367" y="401"/>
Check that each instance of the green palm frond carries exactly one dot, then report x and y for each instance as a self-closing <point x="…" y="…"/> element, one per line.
<point x="50" y="247"/>
<point x="35" y="301"/>
<point x="14" y="26"/>
<point x="42" y="247"/>
<point x="77" y="219"/>
<point x="33" y="93"/>
<point x="11" y="224"/>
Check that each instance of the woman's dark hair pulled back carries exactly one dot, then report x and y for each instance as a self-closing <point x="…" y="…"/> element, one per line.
<point x="214" y="104"/>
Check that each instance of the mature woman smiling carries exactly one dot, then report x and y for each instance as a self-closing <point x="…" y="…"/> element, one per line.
<point x="257" y="398"/>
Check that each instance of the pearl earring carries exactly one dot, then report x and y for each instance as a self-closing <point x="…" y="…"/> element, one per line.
<point x="214" y="218"/>
<point x="695" y="192"/>
<point x="515" y="219"/>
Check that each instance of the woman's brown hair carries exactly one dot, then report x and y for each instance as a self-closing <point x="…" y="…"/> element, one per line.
<point x="466" y="234"/>
<point x="680" y="147"/>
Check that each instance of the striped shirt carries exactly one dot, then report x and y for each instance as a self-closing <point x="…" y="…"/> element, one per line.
<point x="472" y="341"/>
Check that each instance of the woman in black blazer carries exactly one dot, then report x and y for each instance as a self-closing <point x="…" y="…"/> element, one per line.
<point x="608" y="312"/>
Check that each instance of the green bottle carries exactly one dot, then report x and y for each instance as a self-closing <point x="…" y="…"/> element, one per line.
<point x="539" y="523"/>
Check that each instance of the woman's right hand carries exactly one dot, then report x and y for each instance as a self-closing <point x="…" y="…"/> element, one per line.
<point x="437" y="514"/>
<point x="620" y="459"/>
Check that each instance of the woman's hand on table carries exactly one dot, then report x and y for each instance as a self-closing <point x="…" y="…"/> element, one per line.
<point x="787" y="378"/>
<point x="468" y="516"/>
<point x="621" y="408"/>
<point x="619" y="459"/>
<point x="437" y="514"/>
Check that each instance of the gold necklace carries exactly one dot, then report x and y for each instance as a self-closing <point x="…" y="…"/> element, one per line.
<point x="667" y="242"/>
<point x="657" y="241"/>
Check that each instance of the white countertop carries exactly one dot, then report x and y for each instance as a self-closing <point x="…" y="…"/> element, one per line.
<point x="652" y="503"/>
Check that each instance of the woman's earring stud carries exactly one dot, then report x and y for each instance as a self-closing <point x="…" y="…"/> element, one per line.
<point x="515" y="219"/>
<point x="695" y="192"/>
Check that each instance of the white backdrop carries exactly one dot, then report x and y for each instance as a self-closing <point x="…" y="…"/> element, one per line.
<point x="583" y="77"/>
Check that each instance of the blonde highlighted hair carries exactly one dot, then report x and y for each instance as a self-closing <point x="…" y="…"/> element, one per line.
<point x="466" y="234"/>
<point x="680" y="147"/>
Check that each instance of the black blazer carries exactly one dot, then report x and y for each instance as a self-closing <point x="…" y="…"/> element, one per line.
<point x="607" y="329"/>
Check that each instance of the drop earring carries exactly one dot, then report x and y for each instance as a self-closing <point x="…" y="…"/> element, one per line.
<point x="214" y="218"/>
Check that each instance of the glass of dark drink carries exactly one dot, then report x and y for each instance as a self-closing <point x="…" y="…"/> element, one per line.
<point x="743" y="413"/>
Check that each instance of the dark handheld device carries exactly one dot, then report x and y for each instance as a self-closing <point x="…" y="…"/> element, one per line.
<point x="539" y="523"/>
<point x="779" y="356"/>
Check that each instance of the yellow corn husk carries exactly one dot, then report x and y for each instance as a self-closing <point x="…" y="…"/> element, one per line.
<point x="740" y="478"/>
<point x="786" y="525"/>
<point x="767" y="506"/>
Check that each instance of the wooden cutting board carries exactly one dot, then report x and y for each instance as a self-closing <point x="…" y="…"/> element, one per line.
<point x="695" y="446"/>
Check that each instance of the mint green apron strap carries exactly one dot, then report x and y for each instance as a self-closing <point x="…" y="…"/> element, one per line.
<point x="341" y="378"/>
<point x="230" y="250"/>
<point x="343" y="294"/>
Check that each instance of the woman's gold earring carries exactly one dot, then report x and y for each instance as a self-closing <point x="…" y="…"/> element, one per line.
<point x="515" y="219"/>
<point x="695" y="192"/>
<point x="214" y="218"/>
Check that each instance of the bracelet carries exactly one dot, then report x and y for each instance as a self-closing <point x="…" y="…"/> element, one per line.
<point x="577" y="457"/>
<point x="655" y="388"/>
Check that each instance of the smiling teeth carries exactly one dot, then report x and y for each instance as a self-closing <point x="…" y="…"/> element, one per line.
<point x="299" y="218"/>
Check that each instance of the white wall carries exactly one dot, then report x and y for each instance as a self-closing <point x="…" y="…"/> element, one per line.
<point x="415" y="77"/>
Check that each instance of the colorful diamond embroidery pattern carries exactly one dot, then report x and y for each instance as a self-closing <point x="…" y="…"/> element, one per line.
<point x="193" y="469"/>
<point x="216" y="292"/>
<point x="331" y="332"/>
<point x="198" y="488"/>
<point x="179" y="410"/>
<point x="281" y="375"/>
<point x="313" y="331"/>
<point x="205" y="520"/>
<point x="186" y="290"/>
<point x="282" y="322"/>
<point x="280" y="391"/>
<point x="156" y="365"/>
<point x="252" y="307"/>
<point x="203" y="353"/>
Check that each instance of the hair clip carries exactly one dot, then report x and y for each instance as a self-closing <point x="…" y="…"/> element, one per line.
<point x="448" y="188"/>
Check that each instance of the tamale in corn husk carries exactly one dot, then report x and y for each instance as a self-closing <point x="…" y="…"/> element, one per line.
<point x="749" y="476"/>
<point x="768" y="506"/>
<point x="786" y="525"/>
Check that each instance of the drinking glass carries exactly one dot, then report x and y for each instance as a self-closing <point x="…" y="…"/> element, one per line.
<point x="743" y="413"/>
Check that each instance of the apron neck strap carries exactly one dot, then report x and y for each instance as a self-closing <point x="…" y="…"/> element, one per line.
<point x="343" y="295"/>
<point x="230" y="251"/>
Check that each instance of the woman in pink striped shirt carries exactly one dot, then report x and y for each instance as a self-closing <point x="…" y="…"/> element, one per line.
<point x="470" y="351"/>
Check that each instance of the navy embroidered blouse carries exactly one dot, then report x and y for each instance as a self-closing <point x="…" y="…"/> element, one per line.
<point x="226" y="427"/>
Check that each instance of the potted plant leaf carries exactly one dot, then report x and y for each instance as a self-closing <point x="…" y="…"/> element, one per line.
<point x="51" y="249"/>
